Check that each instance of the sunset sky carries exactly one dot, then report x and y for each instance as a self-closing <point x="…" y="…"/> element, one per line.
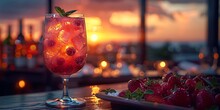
<point x="115" y="20"/>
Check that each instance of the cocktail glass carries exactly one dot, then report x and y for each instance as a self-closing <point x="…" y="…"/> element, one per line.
<point x="65" y="51"/>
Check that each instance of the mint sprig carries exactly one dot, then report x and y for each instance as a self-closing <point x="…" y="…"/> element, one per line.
<point x="63" y="13"/>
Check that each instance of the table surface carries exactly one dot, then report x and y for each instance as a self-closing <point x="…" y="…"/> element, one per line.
<point x="36" y="101"/>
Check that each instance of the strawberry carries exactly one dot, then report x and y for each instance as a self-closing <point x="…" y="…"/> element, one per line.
<point x="190" y="85"/>
<point x="217" y="99"/>
<point x="180" y="97"/>
<point x="166" y="89"/>
<point x="135" y="84"/>
<point x="122" y="93"/>
<point x="204" y="100"/>
<point x="154" y="98"/>
<point x="167" y="76"/>
<point x="157" y="88"/>
<point x="174" y="81"/>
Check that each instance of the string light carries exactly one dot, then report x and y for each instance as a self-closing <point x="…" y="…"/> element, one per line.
<point x="21" y="84"/>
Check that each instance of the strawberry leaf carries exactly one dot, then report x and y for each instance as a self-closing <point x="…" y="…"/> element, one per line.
<point x="199" y="85"/>
<point x="149" y="91"/>
<point x="137" y="94"/>
<point x="128" y="94"/>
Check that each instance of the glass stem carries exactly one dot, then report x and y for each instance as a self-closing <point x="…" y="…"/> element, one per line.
<point x="65" y="90"/>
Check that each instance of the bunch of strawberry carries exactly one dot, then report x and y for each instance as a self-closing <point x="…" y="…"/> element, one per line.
<point x="200" y="92"/>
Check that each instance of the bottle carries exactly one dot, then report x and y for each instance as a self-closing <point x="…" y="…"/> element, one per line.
<point x="8" y="51"/>
<point x="20" y="49"/>
<point x="1" y="49"/>
<point x="40" y="61"/>
<point x="32" y="50"/>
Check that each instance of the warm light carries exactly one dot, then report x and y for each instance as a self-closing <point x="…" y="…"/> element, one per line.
<point x="109" y="47"/>
<point x="104" y="64"/>
<point x="97" y="71"/>
<point x="17" y="54"/>
<point x="215" y="55"/>
<point x="94" y="37"/>
<point x="93" y="21"/>
<point x="115" y="73"/>
<point x="162" y="64"/>
<point x="19" y="46"/>
<point x="201" y="55"/>
<point x="119" y="65"/>
<point x="33" y="47"/>
<point x="4" y="56"/>
<point x="4" y="65"/>
<point x="95" y="90"/>
<point x="29" y="56"/>
<point x="21" y="83"/>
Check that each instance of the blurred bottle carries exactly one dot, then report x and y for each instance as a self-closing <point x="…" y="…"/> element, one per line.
<point x="1" y="49"/>
<point x="40" y="61"/>
<point x="31" y="50"/>
<point x="20" y="50"/>
<point x="8" y="51"/>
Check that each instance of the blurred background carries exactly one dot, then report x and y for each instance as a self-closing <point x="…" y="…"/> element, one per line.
<point x="126" y="39"/>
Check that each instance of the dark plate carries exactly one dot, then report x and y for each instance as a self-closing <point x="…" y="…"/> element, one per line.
<point x="124" y="103"/>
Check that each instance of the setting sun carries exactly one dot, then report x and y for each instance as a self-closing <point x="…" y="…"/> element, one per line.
<point x="94" y="37"/>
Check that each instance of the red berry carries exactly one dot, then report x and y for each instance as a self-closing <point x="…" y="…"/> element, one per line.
<point x="180" y="98"/>
<point x="135" y="84"/>
<point x="154" y="98"/>
<point x="78" y="22"/>
<point x="174" y="81"/>
<point x="217" y="99"/>
<point x="167" y="76"/>
<point x="70" y="51"/>
<point x="57" y="69"/>
<point x="166" y="89"/>
<point x="60" y="61"/>
<point x="190" y="84"/>
<point x="51" y="43"/>
<point x="204" y="100"/>
<point x="80" y="60"/>
<point x="69" y="69"/>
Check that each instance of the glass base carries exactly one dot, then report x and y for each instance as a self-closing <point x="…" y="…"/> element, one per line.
<point x="72" y="103"/>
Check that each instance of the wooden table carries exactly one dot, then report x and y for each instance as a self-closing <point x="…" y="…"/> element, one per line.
<point x="36" y="101"/>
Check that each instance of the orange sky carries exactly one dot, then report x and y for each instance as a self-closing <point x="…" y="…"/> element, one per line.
<point x="110" y="21"/>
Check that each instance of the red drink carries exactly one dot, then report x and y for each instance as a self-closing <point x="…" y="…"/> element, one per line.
<point x="65" y="47"/>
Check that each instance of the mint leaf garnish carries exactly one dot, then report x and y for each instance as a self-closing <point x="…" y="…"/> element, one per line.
<point x="70" y="12"/>
<point x="63" y="13"/>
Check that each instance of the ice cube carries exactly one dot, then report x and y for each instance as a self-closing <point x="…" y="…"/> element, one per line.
<point x="79" y="41"/>
<point x="65" y="36"/>
<point x="53" y="26"/>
